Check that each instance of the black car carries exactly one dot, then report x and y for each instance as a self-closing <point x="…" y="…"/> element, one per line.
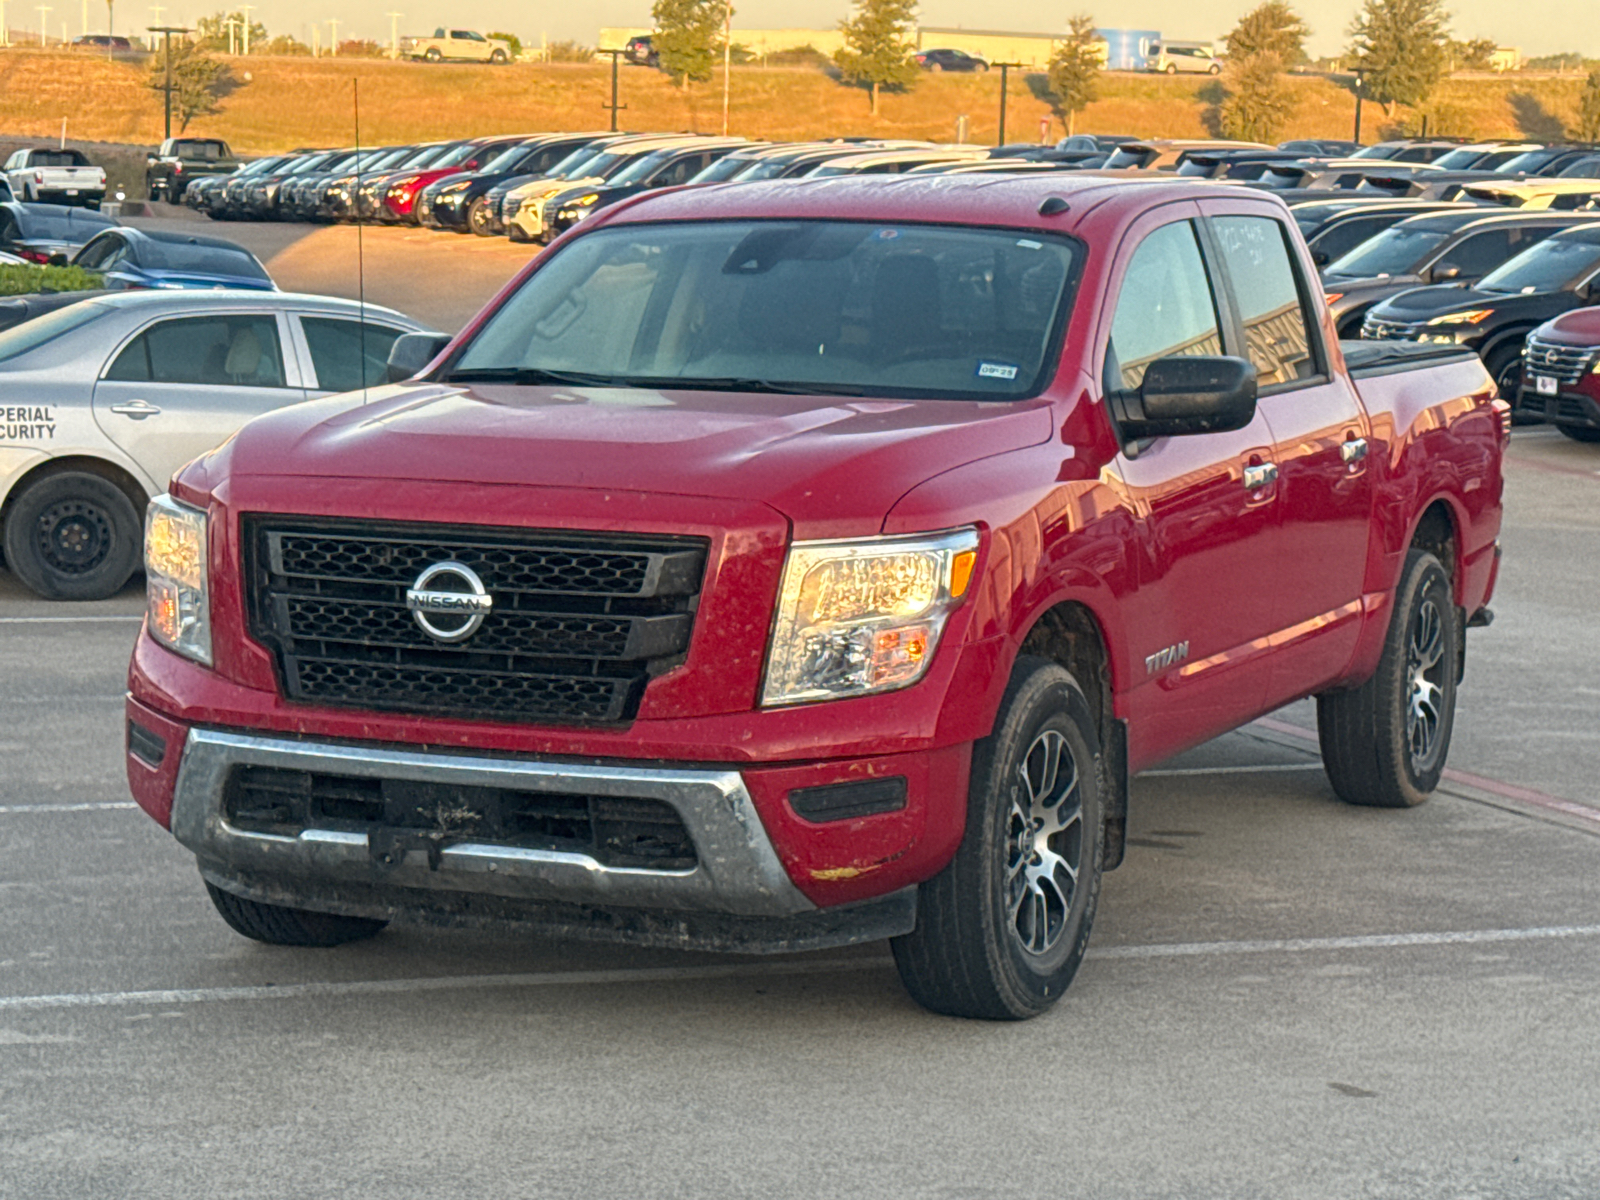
<point x="1342" y="232"/>
<point x="641" y="51"/>
<point x="47" y="233"/>
<point x="1548" y="160"/>
<point x="1451" y="247"/>
<point x="949" y="60"/>
<point x="211" y="195"/>
<point x="1495" y="317"/>
<point x="460" y="202"/>
<point x="667" y="167"/>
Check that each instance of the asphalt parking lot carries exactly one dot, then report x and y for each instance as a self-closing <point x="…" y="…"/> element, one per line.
<point x="1285" y="997"/>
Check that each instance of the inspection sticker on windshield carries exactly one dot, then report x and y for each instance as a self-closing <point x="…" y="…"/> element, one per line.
<point x="989" y="370"/>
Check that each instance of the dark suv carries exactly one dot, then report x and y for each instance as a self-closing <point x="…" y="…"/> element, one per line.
<point x="642" y="51"/>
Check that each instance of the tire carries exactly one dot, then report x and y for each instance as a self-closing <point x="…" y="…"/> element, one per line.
<point x="498" y="58"/>
<point x="73" y="536"/>
<point x="1171" y="70"/>
<point x="1504" y="365"/>
<point x="1580" y="433"/>
<point x="278" y="925"/>
<point x="479" y="219"/>
<point x="936" y="68"/>
<point x="1215" y="69"/>
<point x="982" y="68"/>
<point x="993" y="941"/>
<point x="433" y="54"/>
<point x="1384" y="744"/>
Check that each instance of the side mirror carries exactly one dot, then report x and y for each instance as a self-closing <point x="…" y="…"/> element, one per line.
<point x="58" y="259"/>
<point x="1446" y="271"/>
<point x="1320" y="257"/>
<point x="413" y="351"/>
<point x="1184" y="395"/>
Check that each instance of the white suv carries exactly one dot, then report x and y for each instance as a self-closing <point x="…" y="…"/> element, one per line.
<point x="1184" y="58"/>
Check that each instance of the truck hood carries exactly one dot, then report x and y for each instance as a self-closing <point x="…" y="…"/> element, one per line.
<point x="835" y="466"/>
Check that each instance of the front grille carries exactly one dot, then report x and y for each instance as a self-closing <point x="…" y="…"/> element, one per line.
<point x="1566" y="364"/>
<point x="510" y="207"/>
<point x="580" y="621"/>
<point x="1377" y="329"/>
<point x="615" y="831"/>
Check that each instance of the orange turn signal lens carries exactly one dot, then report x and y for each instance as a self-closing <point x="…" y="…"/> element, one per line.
<point x="961" y="572"/>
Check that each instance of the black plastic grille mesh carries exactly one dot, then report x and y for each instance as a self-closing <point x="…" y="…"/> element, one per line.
<point x="579" y="621"/>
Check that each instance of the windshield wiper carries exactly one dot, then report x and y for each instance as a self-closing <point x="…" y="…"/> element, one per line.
<point x="787" y="387"/>
<point x="528" y="376"/>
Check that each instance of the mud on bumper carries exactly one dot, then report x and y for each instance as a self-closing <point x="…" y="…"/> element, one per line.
<point x="463" y="839"/>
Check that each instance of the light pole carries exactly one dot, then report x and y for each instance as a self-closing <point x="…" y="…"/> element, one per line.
<point x="44" y="30"/>
<point x="5" y="39"/>
<point x="167" y="31"/>
<point x="231" y="23"/>
<point x="1361" y="86"/>
<point x="394" y="33"/>
<point x="85" y="29"/>
<point x="244" y="12"/>
<point x="157" y="9"/>
<point x="614" y="107"/>
<point x="1005" y="69"/>
<point x="333" y="35"/>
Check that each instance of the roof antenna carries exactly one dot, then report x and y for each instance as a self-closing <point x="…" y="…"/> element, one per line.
<point x="361" y="257"/>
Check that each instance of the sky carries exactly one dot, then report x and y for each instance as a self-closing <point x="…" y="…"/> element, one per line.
<point x="1544" y="27"/>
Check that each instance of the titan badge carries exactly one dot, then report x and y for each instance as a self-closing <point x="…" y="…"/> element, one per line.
<point x="427" y="601"/>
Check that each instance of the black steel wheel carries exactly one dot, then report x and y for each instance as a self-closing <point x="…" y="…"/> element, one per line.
<point x="73" y="536"/>
<point x="1505" y="368"/>
<point x="1002" y="929"/>
<point x="279" y="925"/>
<point x="1384" y="744"/>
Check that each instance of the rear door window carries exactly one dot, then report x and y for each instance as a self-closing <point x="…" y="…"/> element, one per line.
<point x="221" y="351"/>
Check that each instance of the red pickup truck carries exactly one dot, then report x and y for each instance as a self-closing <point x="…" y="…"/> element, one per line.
<point x="788" y="565"/>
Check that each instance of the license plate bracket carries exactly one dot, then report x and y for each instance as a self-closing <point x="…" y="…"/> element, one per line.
<point x="1545" y="385"/>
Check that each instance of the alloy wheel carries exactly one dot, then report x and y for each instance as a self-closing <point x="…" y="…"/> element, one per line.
<point x="1425" y="668"/>
<point x="1044" y="844"/>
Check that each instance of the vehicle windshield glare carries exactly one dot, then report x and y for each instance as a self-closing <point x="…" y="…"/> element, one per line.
<point x="1531" y="161"/>
<point x="724" y="169"/>
<point x="1460" y="160"/>
<point x="506" y="159"/>
<point x="1124" y="157"/>
<point x="1395" y="251"/>
<point x="913" y="311"/>
<point x="30" y="335"/>
<point x="455" y="155"/>
<point x="639" y="170"/>
<point x="1550" y="266"/>
<point x="579" y="158"/>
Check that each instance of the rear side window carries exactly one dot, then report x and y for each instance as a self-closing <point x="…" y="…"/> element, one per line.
<point x="347" y="355"/>
<point x="1165" y="308"/>
<point x="240" y="351"/>
<point x="1267" y="297"/>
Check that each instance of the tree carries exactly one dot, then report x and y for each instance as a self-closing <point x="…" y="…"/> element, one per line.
<point x="1400" y="44"/>
<point x="1589" y="109"/>
<point x="1270" y="28"/>
<point x="877" y="46"/>
<point x="1259" y="103"/>
<point x="361" y="48"/>
<point x="1474" y="55"/>
<point x="568" y="51"/>
<point x="211" y="34"/>
<point x="688" y="37"/>
<point x="284" y="44"/>
<point x="1073" y="77"/>
<point x="198" y="81"/>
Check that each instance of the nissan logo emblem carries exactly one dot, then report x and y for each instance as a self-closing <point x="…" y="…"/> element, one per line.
<point x="463" y="601"/>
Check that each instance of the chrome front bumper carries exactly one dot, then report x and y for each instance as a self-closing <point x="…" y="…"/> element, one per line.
<point x="737" y="872"/>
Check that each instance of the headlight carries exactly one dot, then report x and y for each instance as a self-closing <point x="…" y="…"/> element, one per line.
<point x="179" y="613"/>
<point x="864" y="615"/>
<point x="585" y="201"/>
<point x="1471" y="317"/>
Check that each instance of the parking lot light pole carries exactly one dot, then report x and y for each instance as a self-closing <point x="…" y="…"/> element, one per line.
<point x="44" y="29"/>
<point x="1361" y="86"/>
<point x="394" y="33"/>
<point x="1005" y="72"/>
<point x="166" y="32"/>
<point x="244" y="12"/>
<point x="614" y="107"/>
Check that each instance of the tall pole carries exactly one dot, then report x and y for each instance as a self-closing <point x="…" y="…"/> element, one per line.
<point x="166" y="32"/>
<point x="244" y="12"/>
<point x="5" y="39"/>
<point x="44" y="30"/>
<point x="727" y="66"/>
<point x="394" y="33"/>
<point x="231" y="23"/>
<point x="85" y="29"/>
<point x="613" y="106"/>
<point x="1360" y="87"/>
<point x="1005" y="83"/>
<point x="333" y="35"/>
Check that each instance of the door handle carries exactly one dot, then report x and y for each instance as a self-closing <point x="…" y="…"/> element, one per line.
<point x="1354" y="450"/>
<point x="1259" y="476"/>
<point x="137" y="409"/>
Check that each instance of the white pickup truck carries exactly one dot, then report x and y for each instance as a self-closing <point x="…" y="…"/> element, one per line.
<point x="55" y="177"/>
<point x="461" y="45"/>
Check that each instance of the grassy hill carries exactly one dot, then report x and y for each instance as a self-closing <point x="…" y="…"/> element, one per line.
<point x="281" y="103"/>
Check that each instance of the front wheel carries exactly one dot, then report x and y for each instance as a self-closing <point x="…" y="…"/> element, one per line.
<point x="1384" y="744"/>
<point x="433" y="54"/>
<point x="1215" y="69"/>
<point x="479" y="217"/>
<point x="1171" y="70"/>
<point x="1002" y="929"/>
<point x="1505" y="368"/>
<point x="73" y="536"/>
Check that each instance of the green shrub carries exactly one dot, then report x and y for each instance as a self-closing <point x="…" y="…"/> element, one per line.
<point x="16" y="280"/>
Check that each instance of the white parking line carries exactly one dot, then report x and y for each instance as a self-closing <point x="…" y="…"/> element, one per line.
<point x="7" y="810"/>
<point x="65" y="620"/>
<point x="387" y="987"/>
<point x="1250" y="770"/>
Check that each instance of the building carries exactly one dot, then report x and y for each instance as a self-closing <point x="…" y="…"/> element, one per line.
<point x="1506" y="58"/>
<point x="1129" y="49"/>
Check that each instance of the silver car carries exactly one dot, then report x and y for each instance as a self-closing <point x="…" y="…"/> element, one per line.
<point x="103" y="400"/>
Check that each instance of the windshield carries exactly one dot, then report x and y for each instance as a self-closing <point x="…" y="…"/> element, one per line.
<point x="723" y="169"/>
<point x="260" y="167"/>
<point x="381" y="160"/>
<point x="454" y="155"/>
<point x="1548" y="267"/>
<point x="507" y="158"/>
<point x="1397" y="251"/>
<point x="30" y="335"/>
<point x="1531" y="161"/>
<point x="773" y="167"/>
<point x="200" y="259"/>
<point x="641" y="169"/>
<point x="805" y="307"/>
<point x="422" y="158"/>
<point x="1126" y="156"/>
<point x="579" y="158"/>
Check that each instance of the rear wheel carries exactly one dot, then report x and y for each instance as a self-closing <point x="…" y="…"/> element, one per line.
<point x="1384" y="744"/>
<point x="1580" y="433"/>
<point x="1215" y="69"/>
<point x="279" y="925"/>
<point x="73" y="536"/>
<point x="498" y="58"/>
<point x="1002" y="929"/>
